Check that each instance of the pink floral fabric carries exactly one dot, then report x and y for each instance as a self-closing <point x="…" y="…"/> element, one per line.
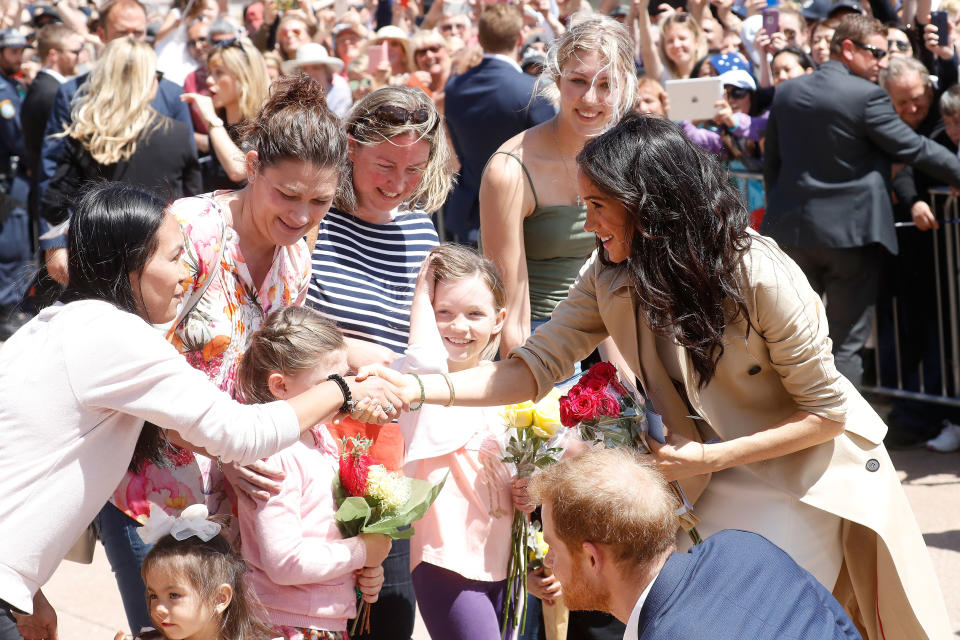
<point x="213" y="338"/>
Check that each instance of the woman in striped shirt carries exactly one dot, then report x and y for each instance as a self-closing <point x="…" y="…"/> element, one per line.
<point x="365" y="264"/>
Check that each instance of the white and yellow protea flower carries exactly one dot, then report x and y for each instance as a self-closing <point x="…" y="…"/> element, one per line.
<point x="391" y="489"/>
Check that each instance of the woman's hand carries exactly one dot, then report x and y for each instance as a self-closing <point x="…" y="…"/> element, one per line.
<point x="724" y="114"/>
<point x="204" y="105"/>
<point x="369" y="582"/>
<point x="382" y="390"/>
<point x="521" y="498"/>
<point x="377" y="546"/>
<point x="680" y="457"/>
<point x="367" y="411"/>
<point x="406" y="384"/>
<point x="546" y="588"/>
<point x="257" y="481"/>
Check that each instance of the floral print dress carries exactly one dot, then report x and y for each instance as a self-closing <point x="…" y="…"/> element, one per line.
<point x="213" y="337"/>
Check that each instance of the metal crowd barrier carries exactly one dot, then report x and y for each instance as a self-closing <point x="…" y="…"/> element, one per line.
<point x="894" y="376"/>
<point x="910" y="380"/>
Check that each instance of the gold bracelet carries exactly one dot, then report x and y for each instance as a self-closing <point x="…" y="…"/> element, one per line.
<point x="453" y="396"/>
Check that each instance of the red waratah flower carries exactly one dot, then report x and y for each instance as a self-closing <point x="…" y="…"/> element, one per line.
<point x="355" y="465"/>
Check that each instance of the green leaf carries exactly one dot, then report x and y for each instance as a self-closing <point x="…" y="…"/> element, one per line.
<point x="356" y="518"/>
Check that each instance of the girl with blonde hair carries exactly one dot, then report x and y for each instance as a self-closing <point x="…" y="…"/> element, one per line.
<point x="682" y="43"/>
<point x="239" y="86"/>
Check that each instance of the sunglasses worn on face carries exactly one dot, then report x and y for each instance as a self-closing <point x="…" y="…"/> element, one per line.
<point x="432" y="49"/>
<point x="899" y="45"/>
<point x="876" y="52"/>
<point x="736" y="92"/>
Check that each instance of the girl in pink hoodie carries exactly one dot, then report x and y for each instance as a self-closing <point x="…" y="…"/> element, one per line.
<point x="302" y="568"/>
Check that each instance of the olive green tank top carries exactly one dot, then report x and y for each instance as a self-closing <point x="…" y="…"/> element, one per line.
<point x="556" y="247"/>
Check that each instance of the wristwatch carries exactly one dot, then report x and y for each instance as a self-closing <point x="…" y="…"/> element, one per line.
<point x="216" y="122"/>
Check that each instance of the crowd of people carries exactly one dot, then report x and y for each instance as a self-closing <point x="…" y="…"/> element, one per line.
<point x="232" y="243"/>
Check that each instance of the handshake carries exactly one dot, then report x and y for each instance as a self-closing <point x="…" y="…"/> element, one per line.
<point x="378" y="394"/>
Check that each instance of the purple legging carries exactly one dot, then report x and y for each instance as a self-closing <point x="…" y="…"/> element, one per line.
<point x="456" y="608"/>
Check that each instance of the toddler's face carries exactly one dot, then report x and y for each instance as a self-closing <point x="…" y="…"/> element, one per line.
<point x="177" y="609"/>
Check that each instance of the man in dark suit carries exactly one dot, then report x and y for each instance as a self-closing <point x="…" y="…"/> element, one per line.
<point x="610" y="522"/>
<point x="830" y="141"/>
<point x="58" y="47"/>
<point x="485" y="107"/>
<point x="118" y="18"/>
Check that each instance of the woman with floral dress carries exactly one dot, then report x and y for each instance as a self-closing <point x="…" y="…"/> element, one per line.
<point x="295" y="151"/>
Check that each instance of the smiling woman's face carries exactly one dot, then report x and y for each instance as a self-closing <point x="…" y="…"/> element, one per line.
<point x="288" y="198"/>
<point x="386" y="173"/>
<point x="607" y="218"/>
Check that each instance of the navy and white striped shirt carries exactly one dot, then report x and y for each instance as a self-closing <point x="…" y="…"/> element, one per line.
<point x="363" y="274"/>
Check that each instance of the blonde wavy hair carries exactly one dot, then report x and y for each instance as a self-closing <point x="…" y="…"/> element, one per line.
<point x="246" y="63"/>
<point x="107" y="125"/>
<point x="363" y="126"/>
<point x="605" y="36"/>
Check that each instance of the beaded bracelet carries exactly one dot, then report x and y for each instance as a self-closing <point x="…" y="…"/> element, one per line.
<point x="348" y="402"/>
<point x="423" y="393"/>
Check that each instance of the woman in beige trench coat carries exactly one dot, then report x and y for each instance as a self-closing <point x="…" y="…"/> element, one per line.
<point x="731" y="346"/>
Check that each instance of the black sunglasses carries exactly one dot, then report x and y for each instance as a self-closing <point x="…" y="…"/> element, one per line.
<point x="899" y="45"/>
<point x="432" y="49"/>
<point x="876" y="52"/>
<point x="736" y="92"/>
<point x="396" y="116"/>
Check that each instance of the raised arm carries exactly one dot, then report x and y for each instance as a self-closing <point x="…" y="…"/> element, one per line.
<point x="505" y="200"/>
<point x="648" y="52"/>
<point x="230" y="156"/>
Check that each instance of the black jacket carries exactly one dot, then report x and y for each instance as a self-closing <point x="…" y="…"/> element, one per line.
<point x="830" y="141"/>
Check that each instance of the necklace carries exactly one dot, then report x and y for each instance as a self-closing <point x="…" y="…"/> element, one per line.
<point x="563" y="156"/>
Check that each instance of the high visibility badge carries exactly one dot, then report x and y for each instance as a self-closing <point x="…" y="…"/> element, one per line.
<point x="7" y="110"/>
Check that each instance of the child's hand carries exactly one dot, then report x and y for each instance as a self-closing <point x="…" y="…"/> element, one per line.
<point x="378" y="546"/>
<point x="542" y="586"/>
<point x="521" y="499"/>
<point x="425" y="279"/>
<point x="369" y="582"/>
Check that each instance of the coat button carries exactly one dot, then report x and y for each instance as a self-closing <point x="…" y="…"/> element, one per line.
<point x="873" y="464"/>
<point x="754" y="370"/>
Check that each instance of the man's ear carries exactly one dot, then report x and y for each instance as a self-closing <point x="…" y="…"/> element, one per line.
<point x="595" y="557"/>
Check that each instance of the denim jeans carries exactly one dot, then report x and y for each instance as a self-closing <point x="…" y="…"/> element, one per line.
<point x="125" y="552"/>
<point x="8" y="624"/>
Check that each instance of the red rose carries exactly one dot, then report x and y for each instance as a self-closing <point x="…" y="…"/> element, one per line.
<point x="593" y="383"/>
<point x="584" y="407"/>
<point x="603" y="370"/>
<point x="609" y="404"/>
<point x="566" y="414"/>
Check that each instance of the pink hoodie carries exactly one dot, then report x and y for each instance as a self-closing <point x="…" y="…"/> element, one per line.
<point x="301" y="567"/>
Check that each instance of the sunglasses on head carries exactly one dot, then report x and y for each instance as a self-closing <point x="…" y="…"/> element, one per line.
<point x="396" y="116"/>
<point x="899" y="45"/>
<point x="876" y="52"/>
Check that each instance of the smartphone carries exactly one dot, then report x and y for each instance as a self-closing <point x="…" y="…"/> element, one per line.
<point x="287" y="5"/>
<point x="771" y="21"/>
<point x="375" y="55"/>
<point x="940" y="19"/>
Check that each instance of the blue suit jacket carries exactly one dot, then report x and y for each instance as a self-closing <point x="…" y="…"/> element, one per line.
<point x="167" y="102"/>
<point x="485" y="107"/>
<point x="739" y="585"/>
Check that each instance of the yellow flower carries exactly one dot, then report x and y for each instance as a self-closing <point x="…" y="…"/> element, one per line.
<point x="519" y="415"/>
<point x="546" y="415"/>
<point x="542" y="546"/>
<point x="390" y="489"/>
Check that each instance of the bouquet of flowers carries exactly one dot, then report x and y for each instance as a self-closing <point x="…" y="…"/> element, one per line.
<point x="371" y="499"/>
<point x="533" y="429"/>
<point x="605" y="411"/>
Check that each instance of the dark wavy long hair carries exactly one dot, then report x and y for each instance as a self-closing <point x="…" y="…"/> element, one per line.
<point x="690" y="231"/>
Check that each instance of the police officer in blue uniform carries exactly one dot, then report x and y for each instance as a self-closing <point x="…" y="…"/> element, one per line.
<point x="15" y="248"/>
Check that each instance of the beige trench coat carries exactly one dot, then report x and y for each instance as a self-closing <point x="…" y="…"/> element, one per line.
<point x="784" y="363"/>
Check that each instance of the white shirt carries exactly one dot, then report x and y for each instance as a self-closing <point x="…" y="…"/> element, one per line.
<point x="630" y="633"/>
<point x="53" y="73"/>
<point x="76" y="384"/>
<point x="510" y="61"/>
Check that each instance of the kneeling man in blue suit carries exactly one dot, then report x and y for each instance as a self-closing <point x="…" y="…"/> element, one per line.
<point x="610" y="521"/>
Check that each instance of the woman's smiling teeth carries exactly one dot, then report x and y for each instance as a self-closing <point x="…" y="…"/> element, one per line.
<point x="388" y="194"/>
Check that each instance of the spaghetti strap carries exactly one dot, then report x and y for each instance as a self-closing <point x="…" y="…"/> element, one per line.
<point x="536" y="203"/>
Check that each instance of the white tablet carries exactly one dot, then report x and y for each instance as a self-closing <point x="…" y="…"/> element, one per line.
<point x="694" y="99"/>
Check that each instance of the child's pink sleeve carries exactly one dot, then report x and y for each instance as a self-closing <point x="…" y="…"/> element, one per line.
<point x="294" y="535"/>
